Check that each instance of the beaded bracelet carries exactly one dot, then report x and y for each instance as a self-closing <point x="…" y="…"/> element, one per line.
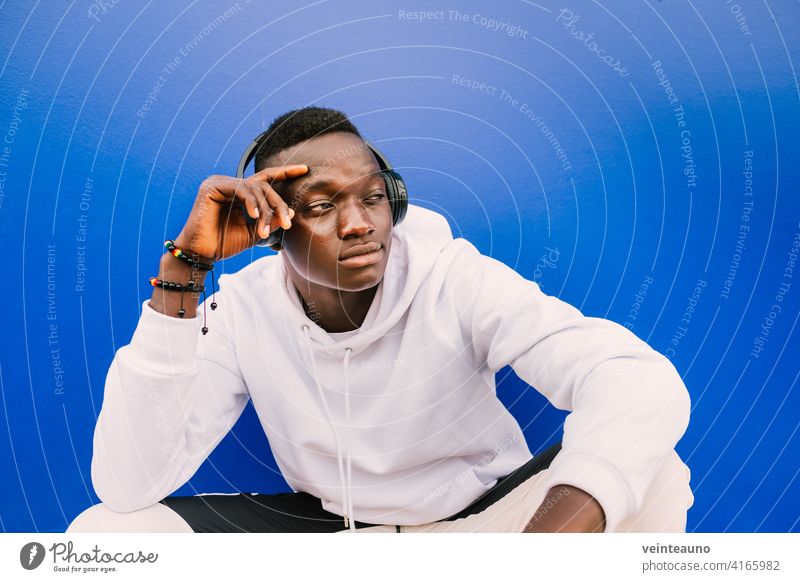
<point x="172" y="286"/>
<point x="184" y="256"/>
<point x="189" y="286"/>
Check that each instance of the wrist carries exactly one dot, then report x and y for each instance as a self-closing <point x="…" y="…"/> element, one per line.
<point x="181" y="273"/>
<point x="173" y="267"/>
<point x="185" y="244"/>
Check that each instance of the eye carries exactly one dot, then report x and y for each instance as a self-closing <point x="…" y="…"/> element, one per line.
<point x="320" y="206"/>
<point x="376" y="196"/>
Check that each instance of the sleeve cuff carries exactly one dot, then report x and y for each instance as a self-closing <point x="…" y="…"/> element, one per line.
<point x="163" y="344"/>
<point x="599" y="479"/>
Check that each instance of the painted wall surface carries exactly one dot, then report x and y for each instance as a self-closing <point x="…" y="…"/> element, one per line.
<point x="639" y="160"/>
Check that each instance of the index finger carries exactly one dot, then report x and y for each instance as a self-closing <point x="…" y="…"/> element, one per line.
<point x="279" y="173"/>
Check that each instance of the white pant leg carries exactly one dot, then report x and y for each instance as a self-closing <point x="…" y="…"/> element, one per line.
<point x="664" y="508"/>
<point x="510" y="514"/>
<point x="371" y="529"/>
<point x="156" y="518"/>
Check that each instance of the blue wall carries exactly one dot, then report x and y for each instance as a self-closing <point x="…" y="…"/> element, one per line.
<point x="657" y="188"/>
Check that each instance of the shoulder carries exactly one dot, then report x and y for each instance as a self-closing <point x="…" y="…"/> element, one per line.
<point x="261" y="271"/>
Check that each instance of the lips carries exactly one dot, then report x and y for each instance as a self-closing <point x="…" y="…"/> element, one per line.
<point x="357" y="250"/>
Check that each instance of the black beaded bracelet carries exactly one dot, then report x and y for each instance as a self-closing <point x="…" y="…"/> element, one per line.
<point x="190" y="286"/>
<point x="172" y="286"/>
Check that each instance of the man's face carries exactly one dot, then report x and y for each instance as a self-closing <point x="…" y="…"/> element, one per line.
<point x="340" y="204"/>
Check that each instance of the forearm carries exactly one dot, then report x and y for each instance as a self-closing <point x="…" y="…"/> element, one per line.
<point x="168" y="302"/>
<point x="567" y="509"/>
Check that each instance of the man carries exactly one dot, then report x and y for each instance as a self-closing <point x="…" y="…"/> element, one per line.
<point x="369" y="353"/>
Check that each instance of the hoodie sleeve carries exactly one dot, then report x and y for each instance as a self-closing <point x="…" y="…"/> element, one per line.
<point x="170" y="396"/>
<point x="629" y="406"/>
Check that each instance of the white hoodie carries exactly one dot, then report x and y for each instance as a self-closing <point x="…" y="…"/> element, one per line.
<point x="397" y="422"/>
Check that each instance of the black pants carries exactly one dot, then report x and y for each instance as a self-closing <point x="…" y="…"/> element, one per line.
<point x="302" y="512"/>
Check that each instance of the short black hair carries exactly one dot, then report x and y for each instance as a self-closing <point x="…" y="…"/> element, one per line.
<point x="299" y="125"/>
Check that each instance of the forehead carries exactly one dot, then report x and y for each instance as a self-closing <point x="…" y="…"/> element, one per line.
<point x="335" y="157"/>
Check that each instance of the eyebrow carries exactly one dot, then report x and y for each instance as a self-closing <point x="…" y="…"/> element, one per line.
<point x="323" y="184"/>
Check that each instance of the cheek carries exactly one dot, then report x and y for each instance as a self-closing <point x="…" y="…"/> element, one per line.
<point x="311" y="245"/>
<point x="385" y="215"/>
<point x="320" y="240"/>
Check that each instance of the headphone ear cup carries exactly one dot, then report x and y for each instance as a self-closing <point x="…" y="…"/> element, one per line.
<point x="397" y="194"/>
<point x="276" y="236"/>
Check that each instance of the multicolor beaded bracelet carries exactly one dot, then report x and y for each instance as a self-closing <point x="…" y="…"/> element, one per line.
<point x="190" y="286"/>
<point x="185" y="257"/>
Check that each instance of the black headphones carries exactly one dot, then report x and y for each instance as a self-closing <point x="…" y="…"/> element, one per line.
<point x="395" y="186"/>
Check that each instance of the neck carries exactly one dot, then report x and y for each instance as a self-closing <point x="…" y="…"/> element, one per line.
<point x="335" y="310"/>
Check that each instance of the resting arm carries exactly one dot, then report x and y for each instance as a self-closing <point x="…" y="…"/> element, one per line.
<point x="629" y="406"/>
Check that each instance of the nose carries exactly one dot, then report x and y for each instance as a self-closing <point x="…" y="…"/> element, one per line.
<point x="354" y="221"/>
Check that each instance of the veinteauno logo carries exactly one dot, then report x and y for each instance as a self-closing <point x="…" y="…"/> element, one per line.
<point x="31" y="555"/>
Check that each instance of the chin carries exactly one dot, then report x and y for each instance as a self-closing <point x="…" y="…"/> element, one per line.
<point x="361" y="284"/>
<point x="361" y="281"/>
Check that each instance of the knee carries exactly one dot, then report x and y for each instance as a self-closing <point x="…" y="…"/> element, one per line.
<point x="157" y="518"/>
<point x="666" y="502"/>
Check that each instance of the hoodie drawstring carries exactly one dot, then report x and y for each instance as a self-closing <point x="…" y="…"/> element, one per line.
<point x="347" y="501"/>
<point x="348" y="439"/>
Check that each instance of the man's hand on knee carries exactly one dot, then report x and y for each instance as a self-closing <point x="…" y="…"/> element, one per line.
<point x="567" y="509"/>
